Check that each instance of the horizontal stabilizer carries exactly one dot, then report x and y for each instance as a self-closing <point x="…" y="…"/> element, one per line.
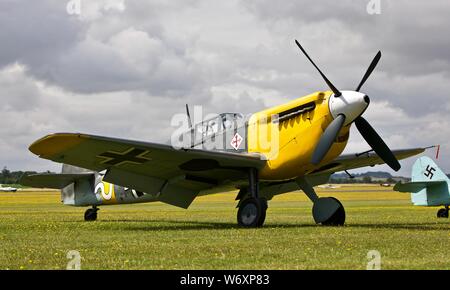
<point x="417" y="186"/>
<point x="52" y="180"/>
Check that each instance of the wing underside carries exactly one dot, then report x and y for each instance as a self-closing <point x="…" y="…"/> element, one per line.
<point x="52" y="180"/>
<point x="353" y="161"/>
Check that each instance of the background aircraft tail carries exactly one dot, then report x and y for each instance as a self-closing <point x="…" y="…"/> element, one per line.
<point x="424" y="169"/>
<point x="76" y="184"/>
<point x="429" y="184"/>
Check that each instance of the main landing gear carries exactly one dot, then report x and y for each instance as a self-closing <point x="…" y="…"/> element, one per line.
<point x="327" y="211"/>
<point x="91" y="214"/>
<point x="252" y="210"/>
<point x="443" y="212"/>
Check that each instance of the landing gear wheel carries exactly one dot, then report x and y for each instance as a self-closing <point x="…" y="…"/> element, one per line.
<point x="329" y="211"/>
<point x="337" y="219"/>
<point x="263" y="212"/>
<point x="90" y="214"/>
<point x="442" y="213"/>
<point x="252" y="212"/>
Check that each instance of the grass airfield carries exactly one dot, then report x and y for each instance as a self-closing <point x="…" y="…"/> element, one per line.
<point x="37" y="232"/>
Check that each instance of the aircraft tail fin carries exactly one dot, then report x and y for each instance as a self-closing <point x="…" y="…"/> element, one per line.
<point x="429" y="185"/>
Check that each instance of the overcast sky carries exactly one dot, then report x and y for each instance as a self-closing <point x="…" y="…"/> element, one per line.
<point x="123" y="68"/>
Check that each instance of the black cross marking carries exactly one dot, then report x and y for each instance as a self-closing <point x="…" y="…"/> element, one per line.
<point x="132" y="155"/>
<point x="429" y="171"/>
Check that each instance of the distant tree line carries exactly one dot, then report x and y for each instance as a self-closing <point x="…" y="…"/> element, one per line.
<point x="12" y="177"/>
<point x="365" y="179"/>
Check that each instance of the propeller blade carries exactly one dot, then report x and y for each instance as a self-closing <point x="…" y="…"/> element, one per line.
<point x="327" y="139"/>
<point x="369" y="70"/>
<point x="336" y="92"/>
<point x="377" y="144"/>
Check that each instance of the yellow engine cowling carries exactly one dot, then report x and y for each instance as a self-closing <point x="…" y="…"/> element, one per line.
<point x="288" y="134"/>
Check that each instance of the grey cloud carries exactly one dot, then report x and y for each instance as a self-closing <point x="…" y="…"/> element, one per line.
<point x="14" y="97"/>
<point x="36" y="32"/>
<point x="59" y="48"/>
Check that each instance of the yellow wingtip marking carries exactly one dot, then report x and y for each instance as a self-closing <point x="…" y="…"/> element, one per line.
<point x="53" y="144"/>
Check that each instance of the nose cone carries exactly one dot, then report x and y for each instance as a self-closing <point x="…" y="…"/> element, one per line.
<point x="351" y="104"/>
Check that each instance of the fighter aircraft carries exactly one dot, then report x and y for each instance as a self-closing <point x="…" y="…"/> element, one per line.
<point x="429" y="186"/>
<point x="305" y="138"/>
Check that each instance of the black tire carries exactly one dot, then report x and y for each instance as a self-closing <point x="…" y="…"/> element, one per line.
<point x="263" y="212"/>
<point x="90" y="215"/>
<point x="442" y="213"/>
<point x="252" y="213"/>
<point x="338" y="218"/>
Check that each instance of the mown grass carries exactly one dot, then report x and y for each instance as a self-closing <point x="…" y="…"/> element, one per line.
<point x="36" y="232"/>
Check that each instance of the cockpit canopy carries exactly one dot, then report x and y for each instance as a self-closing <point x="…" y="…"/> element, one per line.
<point x="221" y="122"/>
<point x="208" y="130"/>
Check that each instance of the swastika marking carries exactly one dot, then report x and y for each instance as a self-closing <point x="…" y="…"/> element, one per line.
<point x="429" y="171"/>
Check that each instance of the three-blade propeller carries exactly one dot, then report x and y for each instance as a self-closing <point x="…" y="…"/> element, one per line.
<point x="369" y="134"/>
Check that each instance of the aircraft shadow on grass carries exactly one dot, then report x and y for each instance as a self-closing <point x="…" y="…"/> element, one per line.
<point x="156" y="225"/>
